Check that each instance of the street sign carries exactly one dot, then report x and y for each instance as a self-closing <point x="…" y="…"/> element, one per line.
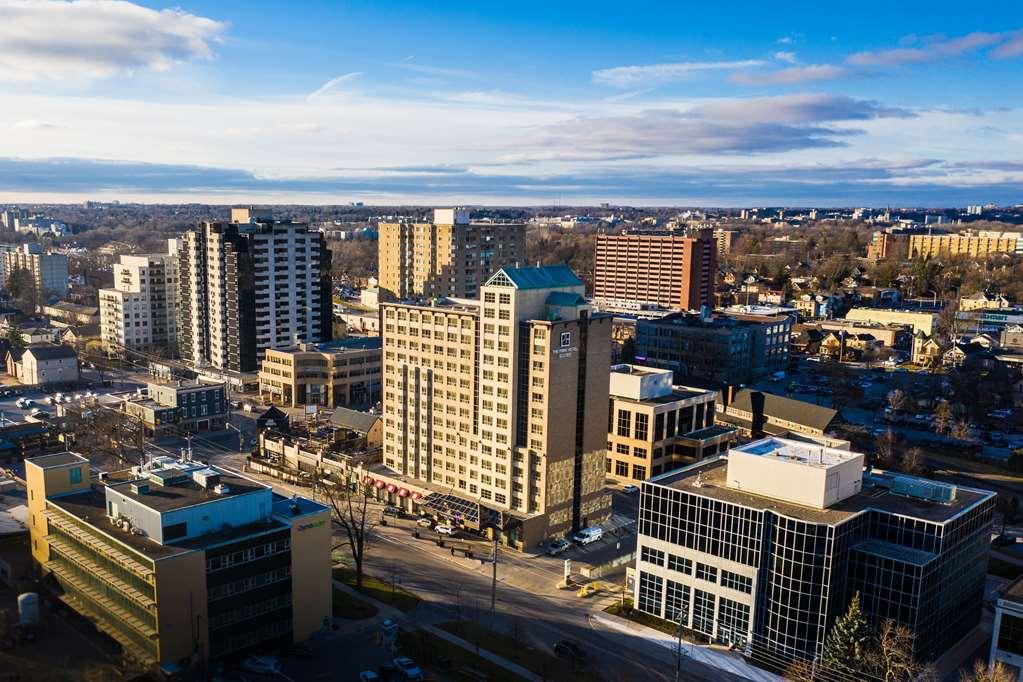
<point x="568" y="569"/>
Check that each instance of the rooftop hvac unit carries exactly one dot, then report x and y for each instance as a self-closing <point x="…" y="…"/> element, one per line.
<point x="221" y="489"/>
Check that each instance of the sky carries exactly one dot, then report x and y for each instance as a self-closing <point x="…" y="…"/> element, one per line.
<point x="512" y="103"/>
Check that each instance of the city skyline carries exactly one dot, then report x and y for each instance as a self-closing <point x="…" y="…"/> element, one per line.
<point x="387" y="104"/>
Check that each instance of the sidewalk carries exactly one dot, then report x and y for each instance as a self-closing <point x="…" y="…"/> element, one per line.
<point x="387" y="611"/>
<point x="716" y="658"/>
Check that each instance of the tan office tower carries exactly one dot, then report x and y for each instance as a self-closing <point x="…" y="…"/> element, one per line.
<point x="673" y="270"/>
<point x="499" y="405"/>
<point x="451" y="256"/>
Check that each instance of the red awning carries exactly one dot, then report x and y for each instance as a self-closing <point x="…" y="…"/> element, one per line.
<point x="367" y="480"/>
<point x="403" y="492"/>
<point x="380" y="485"/>
<point x="417" y="496"/>
<point x="391" y="487"/>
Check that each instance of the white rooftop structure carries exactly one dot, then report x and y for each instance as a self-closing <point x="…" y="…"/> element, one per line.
<point x="637" y="382"/>
<point x="794" y="471"/>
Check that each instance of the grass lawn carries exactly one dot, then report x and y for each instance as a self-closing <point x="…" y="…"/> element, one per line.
<point x="503" y="644"/>
<point x="457" y="663"/>
<point x="380" y="590"/>
<point x="349" y="606"/>
<point x="654" y="622"/>
<point x="1003" y="569"/>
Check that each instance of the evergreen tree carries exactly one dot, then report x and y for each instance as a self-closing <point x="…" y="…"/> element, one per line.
<point x="849" y="644"/>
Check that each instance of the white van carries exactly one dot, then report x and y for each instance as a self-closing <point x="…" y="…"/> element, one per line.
<point x="588" y="535"/>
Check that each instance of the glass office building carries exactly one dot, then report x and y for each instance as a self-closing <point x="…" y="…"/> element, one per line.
<point x="765" y="547"/>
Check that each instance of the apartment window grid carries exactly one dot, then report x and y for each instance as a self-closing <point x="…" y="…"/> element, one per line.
<point x="624" y="423"/>
<point x="676" y="602"/>
<point x="733" y="622"/>
<point x="707" y="573"/>
<point x="703" y="612"/>
<point x="652" y="556"/>
<point x="680" y="564"/>
<point x="737" y="582"/>
<point x="642" y="426"/>
<point x="1010" y="634"/>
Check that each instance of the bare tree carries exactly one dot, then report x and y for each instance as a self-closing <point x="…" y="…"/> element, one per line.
<point x="886" y="456"/>
<point x="912" y="462"/>
<point x="942" y="418"/>
<point x="896" y="400"/>
<point x="893" y="658"/>
<point x="999" y="672"/>
<point x="349" y="504"/>
<point x="800" y="670"/>
<point x="962" y="430"/>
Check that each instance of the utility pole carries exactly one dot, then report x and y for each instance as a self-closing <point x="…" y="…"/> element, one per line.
<point x="493" y="582"/>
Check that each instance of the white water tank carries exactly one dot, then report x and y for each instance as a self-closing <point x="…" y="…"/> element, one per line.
<point x="28" y="609"/>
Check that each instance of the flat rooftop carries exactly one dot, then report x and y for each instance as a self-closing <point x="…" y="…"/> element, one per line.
<point x="793" y="452"/>
<point x="708" y="478"/>
<point x="180" y="495"/>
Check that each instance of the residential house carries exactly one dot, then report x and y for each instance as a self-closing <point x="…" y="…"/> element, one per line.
<point x="48" y="364"/>
<point x="926" y="350"/>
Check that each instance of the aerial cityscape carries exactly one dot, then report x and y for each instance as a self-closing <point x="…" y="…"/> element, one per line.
<point x="546" y="342"/>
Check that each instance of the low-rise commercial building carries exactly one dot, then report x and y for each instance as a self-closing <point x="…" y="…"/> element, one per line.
<point x="763" y="548"/>
<point x="173" y="407"/>
<point x="64" y="314"/>
<point x="756" y="414"/>
<point x="715" y="349"/>
<point x="919" y="321"/>
<point x="655" y="427"/>
<point x="342" y="372"/>
<point x="180" y="562"/>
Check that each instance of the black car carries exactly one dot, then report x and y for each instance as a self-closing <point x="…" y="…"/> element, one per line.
<point x="1004" y="540"/>
<point x="569" y="649"/>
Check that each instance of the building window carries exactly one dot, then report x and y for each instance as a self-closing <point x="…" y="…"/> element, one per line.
<point x="621" y="469"/>
<point x="680" y="564"/>
<point x="638" y="472"/>
<point x="705" y="572"/>
<point x="676" y="603"/>
<point x="642" y="425"/>
<point x="1010" y="634"/>
<point x="736" y="581"/>
<point x="652" y="556"/>
<point x="650" y="587"/>
<point x="624" y="423"/>
<point x="659" y="426"/>
<point x="75" y="474"/>
<point x="621" y="449"/>
<point x="733" y="622"/>
<point x="703" y="612"/>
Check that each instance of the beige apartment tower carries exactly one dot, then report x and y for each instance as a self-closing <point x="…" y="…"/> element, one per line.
<point x="972" y="244"/>
<point x="452" y="256"/>
<point x="499" y="404"/>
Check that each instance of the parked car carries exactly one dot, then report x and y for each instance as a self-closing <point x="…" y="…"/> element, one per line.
<point x="407" y="667"/>
<point x="262" y="665"/>
<point x="391" y="510"/>
<point x="588" y="535"/>
<point x="558" y="546"/>
<point x="629" y="488"/>
<point x="569" y="649"/>
<point x="1004" y="540"/>
<point x="444" y="529"/>
<point x="424" y="522"/>
<point x="369" y="676"/>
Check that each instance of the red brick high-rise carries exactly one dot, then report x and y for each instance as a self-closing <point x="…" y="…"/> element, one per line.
<point x="674" y="270"/>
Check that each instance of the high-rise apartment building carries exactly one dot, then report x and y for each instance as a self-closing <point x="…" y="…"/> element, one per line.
<point x="766" y="546"/>
<point x="973" y="244"/>
<point x="178" y="561"/>
<point x="141" y="311"/>
<point x="725" y="239"/>
<point x="654" y="426"/>
<point x="244" y="287"/>
<point x="500" y="404"/>
<point x="452" y="256"/>
<point x="673" y="270"/>
<point x="49" y="271"/>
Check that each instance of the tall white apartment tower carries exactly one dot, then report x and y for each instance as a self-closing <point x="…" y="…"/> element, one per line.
<point x="140" y="311"/>
<point x="248" y="286"/>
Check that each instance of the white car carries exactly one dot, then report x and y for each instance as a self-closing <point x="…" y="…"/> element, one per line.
<point x="445" y="529"/>
<point x="407" y="667"/>
<point x="629" y="489"/>
<point x="424" y="522"/>
<point x="262" y="665"/>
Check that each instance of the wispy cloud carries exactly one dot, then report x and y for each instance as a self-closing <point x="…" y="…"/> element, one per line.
<point x="334" y="84"/>
<point x="786" y="56"/>
<point x="54" y="39"/>
<point x="1013" y="47"/>
<point x="409" y="65"/>
<point x="793" y="75"/>
<point x="933" y="49"/>
<point x="37" y="125"/>
<point x="629" y="76"/>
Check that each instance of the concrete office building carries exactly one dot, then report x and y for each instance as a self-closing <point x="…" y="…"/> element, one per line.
<point x="451" y="256"/>
<point x="250" y="285"/>
<point x="338" y="373"/>
<point x="1007" y="632"/>
<point x="499" y="404"/>
<point x="140" y="312"/>
<point x="178" y="561"/>
<point x="49" y="271"/>
<point x="654" y="426"/>
<point x="673" y="270"/>
<point x="174" y="407"/>
<point x="766" y="546"/>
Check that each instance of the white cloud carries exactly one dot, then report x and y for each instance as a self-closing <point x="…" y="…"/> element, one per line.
<point x="793" y="75"/>
<point x="53" y="39"/>
<point x="410" y="65"/>
<point x="36" y="124"/>
<point x="785" y="56"/>
<point x="627" y="76"/>
<point x="1013" y="47"/>
<point x="935" y="49"/>
<point x="334" y="84"/>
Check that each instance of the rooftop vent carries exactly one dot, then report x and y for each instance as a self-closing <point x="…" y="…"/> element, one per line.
<point x="139" y="488"/>
<point x="221" y="489"/>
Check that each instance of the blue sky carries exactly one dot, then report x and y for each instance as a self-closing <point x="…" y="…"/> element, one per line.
<point x="725" y="104"/>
